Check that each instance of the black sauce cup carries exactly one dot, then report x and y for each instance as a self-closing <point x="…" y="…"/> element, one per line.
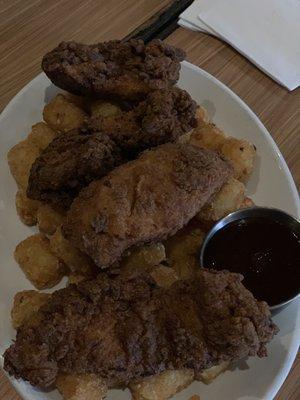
<point x="271" y="214"/>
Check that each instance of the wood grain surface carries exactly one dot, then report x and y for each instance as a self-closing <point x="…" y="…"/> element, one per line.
<point x="278" y="109"/>
<point x="29" y="28"/>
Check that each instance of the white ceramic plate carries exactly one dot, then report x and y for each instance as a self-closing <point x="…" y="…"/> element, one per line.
<point x="271" y="184"/>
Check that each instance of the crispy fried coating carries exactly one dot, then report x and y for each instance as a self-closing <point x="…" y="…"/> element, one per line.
<point x="144" y="200"/>
<point x="162" y="117"/>
<point x="69" y="163"/>
<point x="114" y="69"/>
<point x="105" y="326"/>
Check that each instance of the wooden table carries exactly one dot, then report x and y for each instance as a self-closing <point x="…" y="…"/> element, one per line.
<point x="29" y="28"/>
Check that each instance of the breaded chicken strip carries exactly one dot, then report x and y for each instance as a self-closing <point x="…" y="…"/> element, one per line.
<point x="162" y="117"/>
<point x="144" y="200"/>
<point x="124" y="329"/>
<point x="69" y="163"/>
<point x="115" y="69"/>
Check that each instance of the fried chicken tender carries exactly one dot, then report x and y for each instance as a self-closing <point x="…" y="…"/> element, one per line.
<point x="101" y="327"/>
<point x="114" y="69"/>
<point x="147" y="199"/>
<point x="69" y="163"/>
<point x="162" y="117"/>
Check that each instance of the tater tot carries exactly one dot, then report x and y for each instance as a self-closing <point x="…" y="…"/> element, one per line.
<point x="81" y="387"/>
<point x="183" y="250"/>
<point x="41" y="135"/>
<point x="20" y="158"/>
<point x="26" y="208"/>
<point x="143" y="258"/>
<point x="164" y="276"/>
<point x="26" y="304"/>
<point x="227" y="200"/>
<point x="62" y="115"/>
<point x="247" y="202"/>
<point x="81" y="102"/>
<point x="39" y="264"/>
<point x="241" y="154"/>
<point x="104" y="109"/>
<point x="49" y="219"/>
<point x="76" y="261"/>
<point x="208" y="136"/>
<point x="202" y="116"/>
<point x="209" y="374"/>
<point x="161" y="386"/>
<point x="74" y="278"/>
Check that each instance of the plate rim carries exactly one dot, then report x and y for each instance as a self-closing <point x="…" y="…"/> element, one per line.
<point x="291" y="354"/>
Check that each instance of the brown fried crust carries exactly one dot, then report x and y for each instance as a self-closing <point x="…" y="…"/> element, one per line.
<point x="143" y="200"/>
<point x="125" y="329"/>
<point x="114" y="69"/>
<point x="69" y="163"/>
<point x="162" y="117"/>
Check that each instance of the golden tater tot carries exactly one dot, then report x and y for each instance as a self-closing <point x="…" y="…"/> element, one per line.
<point x="164" y="276"/>
<point x="143" y="258"/>
<point x="161" y="386"/>
<point x="80" y="101"/>
<point x="41" y="135"/>
<point x="202" y="120"/>
<point x="75" y="260"/>
<point x="39" y="264"/>
<point x="209" y="374"/>
<point x="81" y="387"/>
<point x="26" y="304"/>
<point x="241" y="154"/>
<point x="26" y="208"/>
<point x="247" y="202"/>
<point x="208" y="136"/>
<point x="183" y="251"/>
<point x="74" y="278"/>
<point x="49" y="219"/>
<point x="103" y="109"/>
<point x="202" y="116"/>
<point x="229" y="199"/>
<point x="20" y="158"/>
<point x="62" y="115"/>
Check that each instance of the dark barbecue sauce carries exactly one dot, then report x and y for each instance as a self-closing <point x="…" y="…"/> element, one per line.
<point x="266" y="252"/>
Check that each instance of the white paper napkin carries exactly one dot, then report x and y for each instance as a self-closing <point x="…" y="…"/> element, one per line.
<point x="265" y="31"/>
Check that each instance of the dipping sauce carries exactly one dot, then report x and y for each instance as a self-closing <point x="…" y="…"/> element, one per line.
<point x="266" y="252"/>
